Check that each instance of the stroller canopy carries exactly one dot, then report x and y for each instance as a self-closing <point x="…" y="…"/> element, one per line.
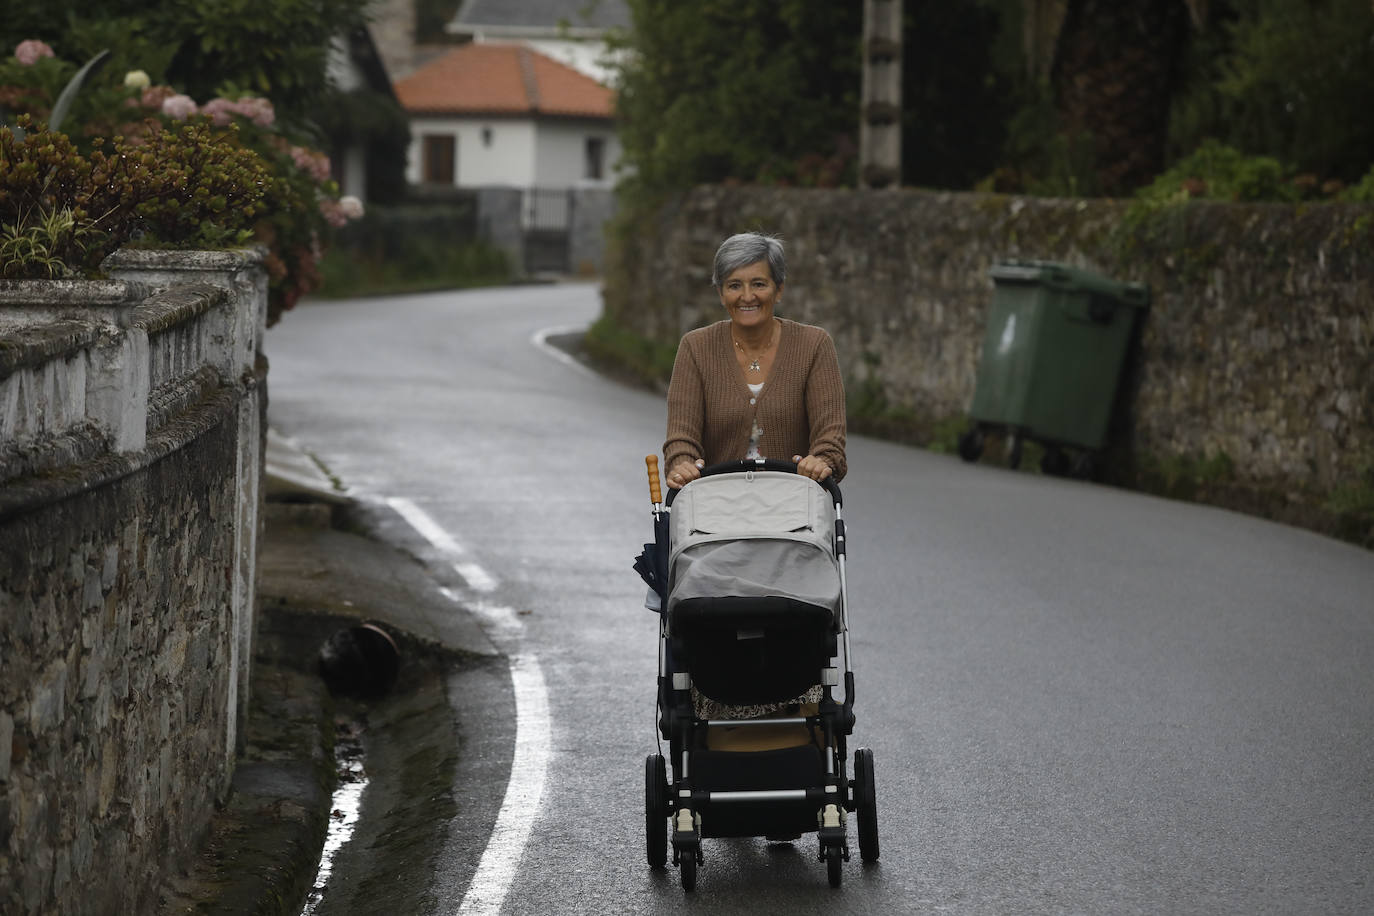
<point x="756" y="534"/>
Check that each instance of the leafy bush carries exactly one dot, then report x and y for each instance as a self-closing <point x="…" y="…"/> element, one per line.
<point x="180" y="174"/>
<point x="63" y="212"/>
<point x="274" y="48"/>
<point x="1363" y="192"/>
<point x="1221" y="172"/>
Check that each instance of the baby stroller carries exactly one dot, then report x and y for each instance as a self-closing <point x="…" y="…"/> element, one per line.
<point x="747" y="573"/>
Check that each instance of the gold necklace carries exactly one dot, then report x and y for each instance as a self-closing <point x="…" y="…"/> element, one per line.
<point x="754" y="360"/>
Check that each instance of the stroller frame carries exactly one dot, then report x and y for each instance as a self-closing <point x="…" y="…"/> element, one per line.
<point x="816" y="791"/>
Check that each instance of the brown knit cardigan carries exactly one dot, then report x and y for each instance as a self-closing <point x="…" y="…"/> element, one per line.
<point x="800" y="409"/>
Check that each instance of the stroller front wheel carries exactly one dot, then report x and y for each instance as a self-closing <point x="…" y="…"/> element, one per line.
<point x="689" y="871"/>
<point x="834" y="865"/>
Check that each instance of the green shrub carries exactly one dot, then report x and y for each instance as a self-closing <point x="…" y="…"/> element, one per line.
<point x="1363" y="192"/>
<point x="63" y="212"/>
<point x="1221" y="172"/>
<point x="181" y="174"/>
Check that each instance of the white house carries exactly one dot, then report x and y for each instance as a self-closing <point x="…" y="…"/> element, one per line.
<point x="486" y="115"/>
<point x="533" y="138"/>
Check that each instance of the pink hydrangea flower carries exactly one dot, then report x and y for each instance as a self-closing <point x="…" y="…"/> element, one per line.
<point x="257" y="110"/>
<point x="179" y="107"/>
<point x="29" y="51"/>
<point x="154" y="96"/>
<point x="221" y="111"/>
<point x="314" y="164"/>
<point x="333" y="213"/>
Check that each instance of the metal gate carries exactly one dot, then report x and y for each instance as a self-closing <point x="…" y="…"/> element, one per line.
<point x="547" y="223"/>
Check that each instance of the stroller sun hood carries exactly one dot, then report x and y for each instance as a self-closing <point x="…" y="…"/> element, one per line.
<point x="764" y="534"/>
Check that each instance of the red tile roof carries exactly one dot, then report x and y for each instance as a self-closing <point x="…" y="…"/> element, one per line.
<point x="502" y="79"/>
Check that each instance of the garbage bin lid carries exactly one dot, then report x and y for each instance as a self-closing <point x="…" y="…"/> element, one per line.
<point x="1069" y="278"/>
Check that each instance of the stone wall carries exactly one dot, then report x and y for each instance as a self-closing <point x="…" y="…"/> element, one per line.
<point x="592" y="209"/>
<point x="1257" y="344"/>
<point x="130" y="454"/>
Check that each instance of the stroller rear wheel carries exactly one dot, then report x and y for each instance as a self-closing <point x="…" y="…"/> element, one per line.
<point x="655" y="808"/>
<point x="866" y="804"/>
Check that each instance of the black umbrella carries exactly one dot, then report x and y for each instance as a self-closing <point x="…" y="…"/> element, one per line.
<point x="652" y="562"/>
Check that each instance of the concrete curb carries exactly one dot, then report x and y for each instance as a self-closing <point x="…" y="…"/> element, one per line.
<point x="327" y="561"/>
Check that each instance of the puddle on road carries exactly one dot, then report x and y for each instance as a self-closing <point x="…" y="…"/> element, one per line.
<point x="344" y="807"/>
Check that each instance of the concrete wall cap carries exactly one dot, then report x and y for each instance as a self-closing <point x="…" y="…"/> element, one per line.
<point x="219" y="259"/>
<point x="72" y="292"/>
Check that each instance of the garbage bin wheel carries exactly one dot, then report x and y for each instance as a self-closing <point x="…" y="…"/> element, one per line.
<point x="1054" y="462"/>
<point x="1014" y="446"/>
<point x="971" y="444"/>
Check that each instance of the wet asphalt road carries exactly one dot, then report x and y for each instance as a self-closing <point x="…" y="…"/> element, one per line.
<point x="1081" y="700"/>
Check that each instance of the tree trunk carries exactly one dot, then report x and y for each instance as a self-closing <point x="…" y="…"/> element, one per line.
<point x="1113" y="76"/>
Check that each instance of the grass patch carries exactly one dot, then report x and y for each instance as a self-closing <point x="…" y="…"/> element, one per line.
<point x="348" y="272"/>
<point x="627" y="356"/>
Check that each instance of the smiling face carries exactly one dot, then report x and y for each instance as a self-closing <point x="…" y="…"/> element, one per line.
<point x="749" y="295"/>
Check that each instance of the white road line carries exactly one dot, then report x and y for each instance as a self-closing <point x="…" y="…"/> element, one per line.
<point x="477" y="578"/>
<point x="496" y="870"/>
<point x="541" y="340"/>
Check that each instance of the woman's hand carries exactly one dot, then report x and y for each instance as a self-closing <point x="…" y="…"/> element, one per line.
<point x="815" y="468"/>
<point x="684" y="472"/>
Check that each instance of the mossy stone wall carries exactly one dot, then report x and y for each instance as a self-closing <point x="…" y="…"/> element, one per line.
<point x="1256" y="346"/>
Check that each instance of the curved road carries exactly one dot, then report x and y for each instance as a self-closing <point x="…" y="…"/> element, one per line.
<point x="1081" y="700"/>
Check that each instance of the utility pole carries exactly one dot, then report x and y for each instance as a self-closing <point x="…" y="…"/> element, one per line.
<point x="880" y="116"/>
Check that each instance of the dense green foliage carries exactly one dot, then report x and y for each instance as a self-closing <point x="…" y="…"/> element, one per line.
<point x="249" y="76"/>
<point x="752" y="90"/>
<point x="203" y="47"/>
<point x="1289" y="79"/>
<point x="1224" y="173"/>
<point x="62" y="212"/>
<point x="767" y="91"/>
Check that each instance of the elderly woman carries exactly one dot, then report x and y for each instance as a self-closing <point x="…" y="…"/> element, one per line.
<point x="754" y="385"/>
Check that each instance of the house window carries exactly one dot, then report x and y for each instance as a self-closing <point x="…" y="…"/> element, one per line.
<point x="486" y="136"/>
<point x="596" y="156"/>
<point x="440" y="157"/>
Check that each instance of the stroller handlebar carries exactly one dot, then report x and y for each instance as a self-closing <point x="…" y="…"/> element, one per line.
<point x="762" y="464"/>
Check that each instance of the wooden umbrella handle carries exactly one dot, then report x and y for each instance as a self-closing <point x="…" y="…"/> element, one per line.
<point x="655" y="494"/>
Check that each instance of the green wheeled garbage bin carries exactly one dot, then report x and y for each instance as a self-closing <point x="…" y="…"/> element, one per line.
<point x="1052" y="358"/>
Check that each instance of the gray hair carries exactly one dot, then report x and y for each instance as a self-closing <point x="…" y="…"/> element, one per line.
<point x="748" y="248"/>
